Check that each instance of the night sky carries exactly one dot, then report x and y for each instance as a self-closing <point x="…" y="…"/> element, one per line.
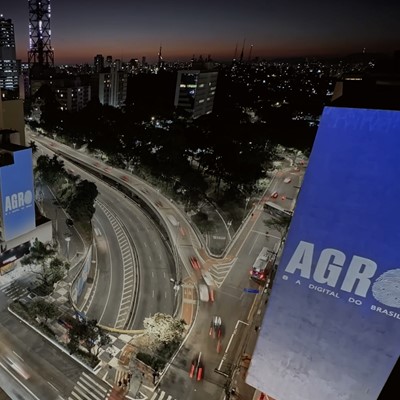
<point x="282" y="28"/>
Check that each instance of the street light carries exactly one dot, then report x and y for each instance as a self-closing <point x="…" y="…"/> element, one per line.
<point x="68" y="239"/>
<point x="247" y="202"/>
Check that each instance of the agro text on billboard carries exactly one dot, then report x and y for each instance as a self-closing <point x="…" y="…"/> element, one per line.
<point x="17" y="198"/>
<point x="332" y="325"/>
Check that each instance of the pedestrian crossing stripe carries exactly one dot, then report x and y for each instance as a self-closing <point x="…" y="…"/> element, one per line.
<point x="14" y="291"/>
<point x="162" y="396"/>
<point x="120" y="376"/>
<point x="88" y="389"/>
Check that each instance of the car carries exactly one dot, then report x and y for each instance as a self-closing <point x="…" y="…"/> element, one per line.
<point x="204" y="293"/>
<point x="216" y="327"/>
<point x="287" y="180"/>
<point x="69" y="222"/>
<point x="274" y="195"/>
<point x="196" y="368"/>
<point x="16" y="365"/>
<point x="194" y="263"/>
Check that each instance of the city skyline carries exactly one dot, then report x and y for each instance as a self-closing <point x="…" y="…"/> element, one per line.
<point x="80" y="30"/>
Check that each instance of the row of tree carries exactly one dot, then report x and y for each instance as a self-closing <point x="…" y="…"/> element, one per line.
<point x="76" y="195"/>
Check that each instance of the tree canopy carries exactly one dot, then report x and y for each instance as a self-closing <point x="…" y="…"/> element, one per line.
<point x="163" y="328"/>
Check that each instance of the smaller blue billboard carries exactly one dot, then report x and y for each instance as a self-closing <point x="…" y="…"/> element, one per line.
<point x="17" y="195"/>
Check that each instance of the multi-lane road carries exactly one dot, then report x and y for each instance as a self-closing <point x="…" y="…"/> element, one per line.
<point x="135" y="268"/>
<point x="235" y="306"/>
<point x="31" y="369"/>
<point x="133" y="262"/>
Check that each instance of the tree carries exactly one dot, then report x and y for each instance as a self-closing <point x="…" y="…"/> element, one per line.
<point x="38" y="253"/>
<point x="43" y="308"/>
<point x="89" y="334"/>
<point x="50" y="169"/>
<point x="81" y="206"/>
<point x="33" y="146"/>
<point x="73" y="344"/>
<point x="103" y="340"/>
<point x="163" y="328"/>
<point x="51" y="272"/>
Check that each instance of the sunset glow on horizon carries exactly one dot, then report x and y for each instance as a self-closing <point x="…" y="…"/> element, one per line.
<point x="125" y="30"/>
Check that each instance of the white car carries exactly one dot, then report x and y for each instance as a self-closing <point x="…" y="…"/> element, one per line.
<point x="203" y="292"/>
<point x="17" y="367"/>
<point x="287" y="180"/>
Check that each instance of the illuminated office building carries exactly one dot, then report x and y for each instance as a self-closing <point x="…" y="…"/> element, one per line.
<point x="9" y="79"/>
<point x="195" y="91"/>
<point x="98" y="63"/>
<point x="112" y="87"/>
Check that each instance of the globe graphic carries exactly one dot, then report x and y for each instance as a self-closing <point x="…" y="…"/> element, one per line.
<point x="386" y="289"/>
<point x="28" y="197"/>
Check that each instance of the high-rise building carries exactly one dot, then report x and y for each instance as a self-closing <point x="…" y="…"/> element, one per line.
<point x="109" y="61"/>
<point x="195" y="91"/>
<point x="160" y="63"/>
<point x="9" y="77"/>
<point x="112" y="87"/>
<point x="98" y="63"/>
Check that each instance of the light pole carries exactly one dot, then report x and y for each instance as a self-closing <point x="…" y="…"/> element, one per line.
<point x="68" y="239"/>
<point x="247" y="202"/>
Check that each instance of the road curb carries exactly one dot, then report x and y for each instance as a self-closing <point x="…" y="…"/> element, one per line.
<point x="52" y="341"/>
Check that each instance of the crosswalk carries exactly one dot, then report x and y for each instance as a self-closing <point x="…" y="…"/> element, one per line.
<point x="87" y="388"/>
<point x="121" y="378"/>
<point x="220" y="272"/>
<point x="161" y="395"/>
<point x="15" y="291"/>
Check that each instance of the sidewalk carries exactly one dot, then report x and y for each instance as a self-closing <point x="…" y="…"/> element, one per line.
<point x="240" y="389"/>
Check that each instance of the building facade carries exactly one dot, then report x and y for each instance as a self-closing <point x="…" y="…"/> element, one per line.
<point x="332" y="324"/>
<point x="195" y="91"/>
<point x="9" y="76"/>
<point x="113" y="87"/>
<point x="73" y="98"/>
<point x="98" y="63"/>
<point x="20" y="220"/>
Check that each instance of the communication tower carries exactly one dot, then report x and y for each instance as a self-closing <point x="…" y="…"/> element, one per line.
<point x="40" y="52"/>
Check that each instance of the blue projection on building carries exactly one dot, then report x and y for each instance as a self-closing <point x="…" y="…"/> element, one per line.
<point x="18" y="205"/>
<point x="332" y="326"/>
